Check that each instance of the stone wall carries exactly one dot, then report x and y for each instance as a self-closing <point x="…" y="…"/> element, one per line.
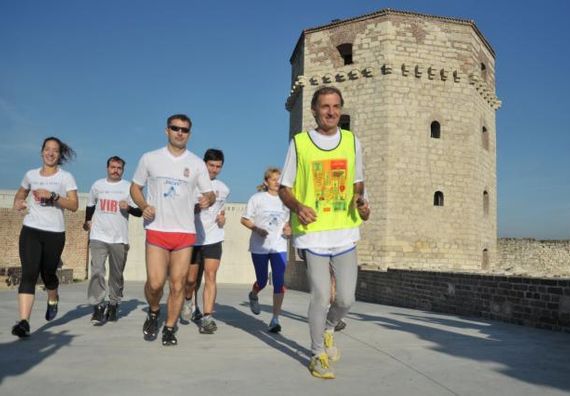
<point x="531" y="257"/>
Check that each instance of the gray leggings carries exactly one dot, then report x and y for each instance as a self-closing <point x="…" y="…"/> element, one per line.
<point x="345" y="269"/>
<point x="117" y="253"/>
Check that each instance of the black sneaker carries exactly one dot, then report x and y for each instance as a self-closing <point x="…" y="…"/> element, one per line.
<point x="21" y="329"/>
<point x="51" y="311"/>
<point x="196" y="314"/>
<point x="168" y="337"/>
<point x="208" y="326"/>
<point x="112" y="312"/>
<point x="341" y="325"/>
<point x="150" y="326"/>
<point x="98" y="317"/>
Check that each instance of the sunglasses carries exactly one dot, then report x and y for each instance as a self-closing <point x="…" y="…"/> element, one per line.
<point x="178" y="129"/>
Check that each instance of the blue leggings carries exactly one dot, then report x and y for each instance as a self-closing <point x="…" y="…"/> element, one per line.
<point x="278" y="265"/>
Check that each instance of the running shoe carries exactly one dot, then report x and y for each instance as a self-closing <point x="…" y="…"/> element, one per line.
<point x="320" y="367"/>
<point x="274" y="326"/>
<point x="21" y="329"/>
<point x="341" y="325"/>
<point x="150" y="326"/>
<point x="254" y="303"/>
<point x="196" y="314"/>
<point x="330" y="348"/>
<point x="51" y="310"/>
<point x="112" y="312"/>
<point x="168" y="337"/>
<point x="207" y="325"/>
<point x="186" y="312"/>
<point x="98" y="317"/>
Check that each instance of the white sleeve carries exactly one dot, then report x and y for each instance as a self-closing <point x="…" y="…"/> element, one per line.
<point x="250" y="209"/>
<point x="359" y="165"/>
<point x="289" y="171"/>
<point x="70" y="183"/>
<point x="204" y="182"/>
<point x="92" y="198"/>
<point x="141" y="173"/>
<point x="26" y="182"/>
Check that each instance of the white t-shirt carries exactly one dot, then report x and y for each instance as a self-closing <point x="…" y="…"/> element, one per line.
<point x="110" y="224"/>
<point x="207" y="230"/>
<point x="170" y="187"/>
<point x="47" y="217"/>
<point x="325" y="242"/>
<point x="268" y="212"/>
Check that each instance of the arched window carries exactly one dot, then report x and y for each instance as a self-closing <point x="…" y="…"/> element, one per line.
<point x="345" y="51"/>
<point x="438" y="198"/>
<point x="485" y="203"/>
<point x="485" y="138"/>
<point x="435" y="130"/>
<point x="344" y="122"/>
<point x="485" y="259"/>
<point x="483" y="71"/>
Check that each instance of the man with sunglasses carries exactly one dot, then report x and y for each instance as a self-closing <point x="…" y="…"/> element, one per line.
<point x="171" y="175"/>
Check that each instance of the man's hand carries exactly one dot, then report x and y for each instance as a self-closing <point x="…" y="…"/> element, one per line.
<point x="206" y="200"/>
<point x="260" y="231"/>
<point x="287" y="230"/>
<point x="305" y="214"/>
<point x="148" y="213"/>
<point x="20" y="205"/>
<point x="87" y="226"/>
<point x="362" y="207"/>
<point x="221" y="219"/>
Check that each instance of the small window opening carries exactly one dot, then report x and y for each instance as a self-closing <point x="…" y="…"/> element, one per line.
<point x="438" y="198"/>
<point x="485" y="138"/>
<point x="435" y="130"/>
<point x="345" y="51"/>
<point x="485" y="259"/>
<point x="483" y="71"/>
<point x="485" y="203"/>
<point x="344" y="122"/>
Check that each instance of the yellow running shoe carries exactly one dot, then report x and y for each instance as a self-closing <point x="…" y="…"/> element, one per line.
<point x="319" y="367"/>
<point x="330" y="348"/>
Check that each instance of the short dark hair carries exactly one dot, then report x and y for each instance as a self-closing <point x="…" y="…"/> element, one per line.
<point x="325" y="91"/>
<point x="66" y="153"/>
<point x="182" y="117"/>
<point x="214" y="155"/>
<point x="116" y="159"/>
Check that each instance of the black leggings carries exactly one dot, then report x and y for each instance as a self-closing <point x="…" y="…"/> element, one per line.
<point x="40" y="253"/>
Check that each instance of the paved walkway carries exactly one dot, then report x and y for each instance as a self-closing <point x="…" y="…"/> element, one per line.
<point x="385" y="351"/>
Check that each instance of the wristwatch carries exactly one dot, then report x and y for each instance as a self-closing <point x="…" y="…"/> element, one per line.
<point x="54" y="196"/>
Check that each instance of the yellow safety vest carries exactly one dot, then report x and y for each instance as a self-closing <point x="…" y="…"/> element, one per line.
<point x="325" y="182"/>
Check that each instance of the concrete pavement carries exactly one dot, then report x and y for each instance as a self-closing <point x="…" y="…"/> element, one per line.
<point x="385" y="351"/>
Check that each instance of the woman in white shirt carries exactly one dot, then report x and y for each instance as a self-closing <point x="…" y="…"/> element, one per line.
<point x="268" y="219"/>
<point x="43" y="232"/>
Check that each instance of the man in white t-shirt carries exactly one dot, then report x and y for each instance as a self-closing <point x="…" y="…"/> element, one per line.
<point x="323" y="185"/>
<point x="172" y="175"/>
<point x="207" y="251"/>
<point x="107" y="220"/>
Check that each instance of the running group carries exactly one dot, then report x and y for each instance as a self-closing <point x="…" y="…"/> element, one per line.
<point x="317" y="200"/>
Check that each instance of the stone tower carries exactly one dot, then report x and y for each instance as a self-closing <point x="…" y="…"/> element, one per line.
<point x="419" y="93"/>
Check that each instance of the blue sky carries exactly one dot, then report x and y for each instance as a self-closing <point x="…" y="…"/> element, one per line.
<point x="103" y="76"/>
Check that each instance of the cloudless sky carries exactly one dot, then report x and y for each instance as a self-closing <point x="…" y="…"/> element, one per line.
<point x="104" y="75"/>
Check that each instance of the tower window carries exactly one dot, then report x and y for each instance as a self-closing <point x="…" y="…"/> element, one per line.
<point x="483" y="71"/>
<point x="435" y="130"/>
<point x="485" y="259"/>
<point x="345" y="51"/>
<point x="485" y="138"/>
<point x="485" y="203"/>
<point x="438" y="198"/>
<point x="344" y="122"/>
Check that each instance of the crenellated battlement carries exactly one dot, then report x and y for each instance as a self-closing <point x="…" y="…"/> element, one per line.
<point x="429" y="72"/>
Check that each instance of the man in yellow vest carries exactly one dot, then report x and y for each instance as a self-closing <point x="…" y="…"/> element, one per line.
<point x="322" y="183"/>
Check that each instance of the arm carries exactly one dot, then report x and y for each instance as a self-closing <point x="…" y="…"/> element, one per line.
<point x="221" y="219"/>
<point x="305" y="214"/>
<point x="148" y="211"/>
<point x="360" y="201"/>
<point x="20" y="199"/>
<point x="89" y="211"/>
<point x="134" y="211"/>
<point x="207" y="199"/>
<point x="69" y="202"/>
<point x="249" y="224"/>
